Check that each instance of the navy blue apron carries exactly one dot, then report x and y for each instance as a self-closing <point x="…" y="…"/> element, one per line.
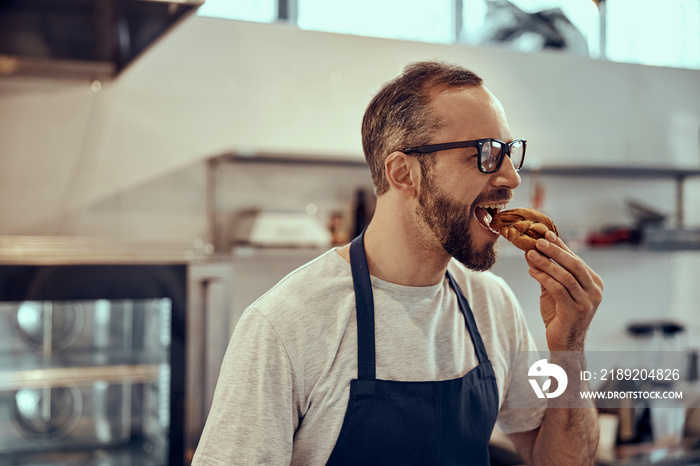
<point x="424" y="423"/>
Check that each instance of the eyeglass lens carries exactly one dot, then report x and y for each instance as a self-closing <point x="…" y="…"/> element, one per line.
<point x="491" y="155"/>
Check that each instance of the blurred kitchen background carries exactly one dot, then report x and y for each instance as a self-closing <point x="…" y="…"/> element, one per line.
<point x="228" y="133"/>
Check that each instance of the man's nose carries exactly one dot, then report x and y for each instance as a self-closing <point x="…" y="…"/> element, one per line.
<point x="507" y="175"/>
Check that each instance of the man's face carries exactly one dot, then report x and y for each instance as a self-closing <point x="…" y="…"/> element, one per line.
<point x="456" y="200"/>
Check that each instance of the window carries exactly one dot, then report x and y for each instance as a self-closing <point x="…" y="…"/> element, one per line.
<point x="658" y="33"/>
<point x="264" y="11"/>
<point x="418" y="20"/>
<point x="652" y="32"/>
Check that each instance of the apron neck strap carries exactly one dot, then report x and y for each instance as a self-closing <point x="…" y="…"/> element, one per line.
<point x="479" y="347"/>
<point x="364" y="306"/>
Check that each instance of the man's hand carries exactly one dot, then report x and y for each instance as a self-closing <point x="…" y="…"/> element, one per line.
<point x="571" y="293"/>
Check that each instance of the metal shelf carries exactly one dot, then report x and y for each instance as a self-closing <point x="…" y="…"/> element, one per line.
<point x="257" y="158"/>
<point x="599" y="171"/>
<point x="612" y="171"/>
<point x="289" y="159"/>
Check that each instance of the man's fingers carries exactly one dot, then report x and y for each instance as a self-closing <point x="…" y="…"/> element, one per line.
<point x="558" y="241"/>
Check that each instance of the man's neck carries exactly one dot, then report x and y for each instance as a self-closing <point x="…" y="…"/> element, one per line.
<point x="398" y="254"/>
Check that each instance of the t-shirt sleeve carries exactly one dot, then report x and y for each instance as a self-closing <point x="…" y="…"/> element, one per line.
<point x="254" y="414"/>
<point x="519" y="419"/>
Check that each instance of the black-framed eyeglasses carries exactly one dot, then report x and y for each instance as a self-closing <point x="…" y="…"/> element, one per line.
<point x="491" y="152"/>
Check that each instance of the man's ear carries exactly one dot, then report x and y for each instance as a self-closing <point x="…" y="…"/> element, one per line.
<point x="403" y="173"/>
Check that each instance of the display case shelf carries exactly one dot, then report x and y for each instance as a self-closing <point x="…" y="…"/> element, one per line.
<point x="66" y="376"/>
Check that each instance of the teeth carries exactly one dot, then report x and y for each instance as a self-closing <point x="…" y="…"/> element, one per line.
<point x="492" y="210"/>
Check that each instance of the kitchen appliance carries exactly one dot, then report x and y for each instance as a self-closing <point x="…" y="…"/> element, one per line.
<point x="280" y="229"/>
<point x="109" y="351"/>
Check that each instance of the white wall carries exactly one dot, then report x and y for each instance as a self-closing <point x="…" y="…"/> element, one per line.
<point x="216" y="85"/>
<point x="127" y="161"/>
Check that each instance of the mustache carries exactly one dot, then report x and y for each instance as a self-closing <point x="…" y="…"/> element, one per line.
<point x="497" y="196"/>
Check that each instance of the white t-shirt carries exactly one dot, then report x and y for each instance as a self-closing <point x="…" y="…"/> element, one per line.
<point x="284" y="383"/>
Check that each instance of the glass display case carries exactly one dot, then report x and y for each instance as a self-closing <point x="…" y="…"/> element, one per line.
<point x="85" y="374"/>
<point x="109" y="353"/>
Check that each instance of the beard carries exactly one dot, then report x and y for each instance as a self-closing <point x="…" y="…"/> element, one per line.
<point x="449" y="221"/>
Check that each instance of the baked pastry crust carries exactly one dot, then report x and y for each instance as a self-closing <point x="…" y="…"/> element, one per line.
<point x="522" y="227"/>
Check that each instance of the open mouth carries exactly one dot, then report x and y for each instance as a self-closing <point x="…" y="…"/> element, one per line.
<point x="484" y="214"/>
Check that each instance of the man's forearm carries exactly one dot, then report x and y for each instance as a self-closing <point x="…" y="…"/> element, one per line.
<point x="569" y="432"/>
<point x="567" y="436"/>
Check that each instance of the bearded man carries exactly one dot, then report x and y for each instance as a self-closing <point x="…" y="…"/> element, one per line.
<point x="394" y="349"/>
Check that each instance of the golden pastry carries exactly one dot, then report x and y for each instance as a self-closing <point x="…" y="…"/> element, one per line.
<point x="522" y="227"/>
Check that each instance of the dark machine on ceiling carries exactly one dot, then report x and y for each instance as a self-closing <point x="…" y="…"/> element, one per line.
<point x="82" y="38"/>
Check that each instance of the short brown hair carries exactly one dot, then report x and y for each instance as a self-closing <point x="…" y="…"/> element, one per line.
<point x="400" y="116"/>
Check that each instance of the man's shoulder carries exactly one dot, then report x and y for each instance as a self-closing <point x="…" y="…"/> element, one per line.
<point x="305" y="311"/>
<point x="315" y="282"/>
